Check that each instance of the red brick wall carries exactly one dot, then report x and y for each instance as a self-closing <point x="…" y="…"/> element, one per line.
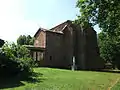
<point x="40" y="40"/>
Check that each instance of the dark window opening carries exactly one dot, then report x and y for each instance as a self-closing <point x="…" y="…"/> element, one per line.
<point x="36" y="56"/>
<point x="50" y="57"/>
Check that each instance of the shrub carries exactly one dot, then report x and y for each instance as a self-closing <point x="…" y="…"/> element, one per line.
<point x="15" y="60"/>
<point x="10" y="67"/>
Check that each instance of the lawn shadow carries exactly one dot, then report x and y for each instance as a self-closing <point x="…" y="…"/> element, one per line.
<point x="10" y="83"/>
<point x="109" y="71"/>
<point x="34" y="78"/>
<point x="104" y="70"/>
<point x="17" y="81"/>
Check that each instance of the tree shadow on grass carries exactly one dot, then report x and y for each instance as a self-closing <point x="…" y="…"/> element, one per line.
<point x="104" y="70"/>
<point x="109" y="71"/>
<point x="10" y="83"/>
<point x="17" y="81"/>
<point x="34" y="78"/>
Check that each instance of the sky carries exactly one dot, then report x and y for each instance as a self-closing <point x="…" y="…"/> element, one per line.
<point x="25" y="17"/>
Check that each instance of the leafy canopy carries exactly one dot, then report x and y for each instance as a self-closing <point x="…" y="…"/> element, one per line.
<point x="14" y="51"/>
<point x="25" y="40"/>
<point x="105" y="13"/>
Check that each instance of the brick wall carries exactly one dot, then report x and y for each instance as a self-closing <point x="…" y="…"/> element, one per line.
<point x="40" y="40"/>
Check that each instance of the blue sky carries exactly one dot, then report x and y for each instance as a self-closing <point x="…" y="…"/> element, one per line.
<point x="23" y="17"/>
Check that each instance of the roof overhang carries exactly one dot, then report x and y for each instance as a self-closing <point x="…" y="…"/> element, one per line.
<point x="33" y="48"/>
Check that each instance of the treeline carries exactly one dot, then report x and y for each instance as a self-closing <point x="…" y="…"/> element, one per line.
<point x="25" y="40"/>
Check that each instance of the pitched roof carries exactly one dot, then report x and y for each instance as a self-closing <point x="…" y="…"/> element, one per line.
<point x="40" y="29"/>
<point x="61" y="26"/>
<point x="57" y="29"/>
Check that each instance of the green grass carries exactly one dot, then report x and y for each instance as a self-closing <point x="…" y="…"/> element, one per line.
<point x="116" y="86"/>
<point x="58" y="79"/>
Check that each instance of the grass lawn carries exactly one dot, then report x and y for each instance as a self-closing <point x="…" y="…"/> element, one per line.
<point x="117" y="86"/>
<point x="58" y="79"/>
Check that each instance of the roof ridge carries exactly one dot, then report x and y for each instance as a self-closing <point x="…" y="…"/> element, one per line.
<point x="61" y="24"/>
<point x="40" y="29"/>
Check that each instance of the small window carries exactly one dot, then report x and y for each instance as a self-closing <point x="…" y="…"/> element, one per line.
<point x="50" y="57"/>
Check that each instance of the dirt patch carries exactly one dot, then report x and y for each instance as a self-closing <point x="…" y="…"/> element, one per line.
<point x="113" y="84"/>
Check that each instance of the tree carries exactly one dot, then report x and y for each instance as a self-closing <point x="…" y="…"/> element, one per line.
<point x="25" y="40"/>
<point x="21" y="40"/>
<point x="109" y="49"/>
<point x="29" y="40"/>
<point x="105" y="13"/>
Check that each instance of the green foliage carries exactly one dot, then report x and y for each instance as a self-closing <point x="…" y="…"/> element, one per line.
<point x="15" y="59"/>
<point x="109" y="49"/>
<point x="25" y="40"/>
<point x="105" y="13"/>
<point x="9" y="50"/>
<point x="29" y="40"/>
<point x="15" y="51"/>
<point x="13" y="67"/>
<point x="21" y="40"/>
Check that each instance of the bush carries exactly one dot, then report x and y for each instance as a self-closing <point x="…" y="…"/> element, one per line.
<point x="15" y="60"/>
<point x="11" y="68"/>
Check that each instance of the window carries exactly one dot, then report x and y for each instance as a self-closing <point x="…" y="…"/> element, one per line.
<point x="50" y="57"/>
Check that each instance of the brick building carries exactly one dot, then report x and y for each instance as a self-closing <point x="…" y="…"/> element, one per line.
<point x="59" y="45"/>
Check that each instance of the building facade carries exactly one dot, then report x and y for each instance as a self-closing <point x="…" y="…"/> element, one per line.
<point x="66" y="42"/>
